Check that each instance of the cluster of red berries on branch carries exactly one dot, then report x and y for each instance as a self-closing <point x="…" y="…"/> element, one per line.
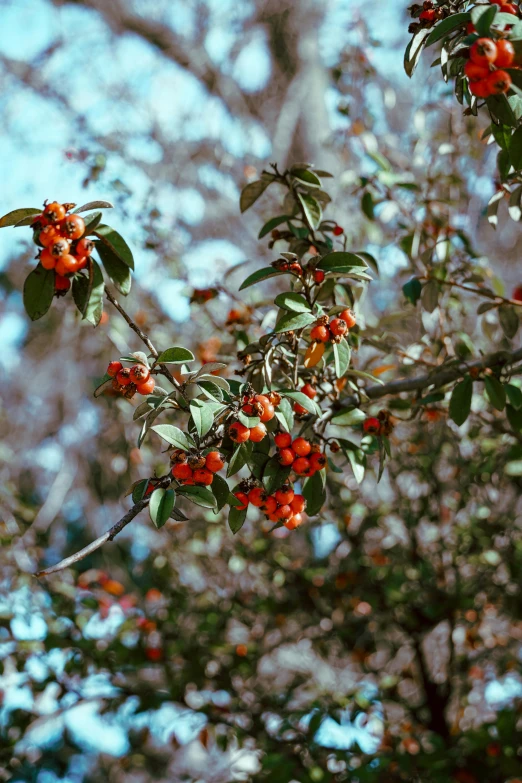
<point x="484" y="69"/>
<point x="427" y="14"/>
<point x="59" y="234"/>
<point x="261" y="406"/>
<point x="381" y="425"/>
<point x="282" y="506"/>
<point x="196" y="468"/>
<point x="333" y="330"/>
<point x="129" y="380"/>
<point x="303" y="457"/>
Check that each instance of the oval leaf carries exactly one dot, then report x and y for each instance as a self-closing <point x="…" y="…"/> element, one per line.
<point x="236" y="519"/>
<point x="172" y="435"/>
<point x="261" y="274"/>
<point x="38" y="292"/>
<point x="294" y="302"/>
<point x="161" y="505"/>
<point x="116" y="269"/>
<point x="289" y="322"/>
<point x="17" y="215"/>
<point x="116" y="243"/>
<point x="94" y="205"/>
<point x="201" y="496"/>
<point x="460" y="402"/>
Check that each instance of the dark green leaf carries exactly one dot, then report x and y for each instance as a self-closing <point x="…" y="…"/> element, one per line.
<point x="92" y="221"/>
<point x="500" y="108"/>
<point x="509" y="321"/>
<point x="446" y="26"/>
<point x="257" y="277"/>
<point x="294" y="302"/>
<point x="339" y="262"/>
<point x="252" y="192"/>
<point x="116" y="243"/>
<point x="239" y="458"/>
<point x="201" y="496"/>
<point x="367" y="205"/>
<point x="314" y="493"/>
<point x="412" y="290"/>
<point x="94" y="205"/>
<point x="356" y="458"/>
<point x="515" y="149"/>
<point x="460" y="402"/>
<point x="173" y="435"/>
<point x="514" y="394"/>
<point x="220" y="490"/>
<point x="38" y="292"/>
<point x="496" y="392"/>
<point x="482" y="18"/>
<point x="236" y="518"/>
<point x="17" y="215"/>
<point x="139" y="489"/>
<point x="430" y="295"/>
<point x="271" y="224"/>
<point x="514" y="209"/>
<point x="117" y="270"/>
<point x="289" y="322"/>
<point x="88" y="293"/>
<point x="514" y="417"/>
<point x="306" y="176"/>
<point x="312" y="210"/>
<point x="274" y="475"/>
<point x="414" y="51"/>
<point x="161" y="505"/>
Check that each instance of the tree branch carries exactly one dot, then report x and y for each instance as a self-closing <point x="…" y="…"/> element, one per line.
<point x="94" y="545"/>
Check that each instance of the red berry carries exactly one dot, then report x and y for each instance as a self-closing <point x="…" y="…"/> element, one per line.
<point x="302" y="447"/>
<point x="429" y="15"/>
<point x="299" y="409"/>
<point x="348" y="316"/>
<point x="270" y="505"/>
<point x="84" y="247"/>
<point x="61" y="283"/>
<point x="284" y="439"/>
<point x="483" y="51"/>
<point x="203" y="476"/>
<point x="294" y="521"/>
<point x="123" y="376"/>
<point x="114" y="368"/>
<point x="319" y="276"/>
<point x="286" y="456"/>
<point x="338" y="327"/>
<point x="147" y="387"/>
<point x="72" y="226"/>
<point x="338" y="230"/>
<point x="268" y="408"/>
<point x="60" y="248"/>
<point x="517" y="293"/>
<point x="182" y="471"/>
<point x="298" y="504"/>
<point x="498" y="82"/>
<point x="480" y="89"/>
<point x="243" y="499"/>
<point x="284" y="512"/>
<point x="67" y="264"/>
<point x="238" y="432"/>
<point x="284" y="495"/>
<point x="505" y="54"/>
<point x="257" y="433"/>
<point x="309" y="390"/>
<point x="475" y="72"/>
<point x="54" y="211"/>
<point x="257" y="497"/>
<point x="470" y="28"/>
<point x="48" y="236"/>
<point x="318" y="461"/>
<point x="371" y="425"/>
<point x="214" y="461"/>
<point x="320" y="333"/>
<point x="47" y="260"/>
<point x="139" y="374"/>
<point x="302" y="466"/>
<point x="510" y="8"/>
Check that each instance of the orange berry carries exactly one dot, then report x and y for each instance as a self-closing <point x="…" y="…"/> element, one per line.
<point x="480" y="89"/>
<point x="268" y="408"/>
<point x="84" y="247"/>
<point x="298" y="504"/>
<point x="505" y="53"/>
<point x="238" y="432"/>
<point x="147" y="387"/>
<point x="318" y="461"/>
<point x="114" y="368"/>
<point x="270" y="505"/>
<point x="123" y="376"/>
<point x="47" y="260"/>
<point x="498" y="82"/>
<point x="67" y="265"/>
<point x="284" y="439"/>
<point x="54" y="211"/>
<point x="182" y="471"/>
<point x="214" y="461"/>
<point x="284" y="495"/>
<point x="302" y="466"/>
<point x="299" y="409"/>
<point x="320" y="333"/>
<point x="257" y="497"/>
<point x="203" y="476"/>
<point x="48" y="236"/>
<point x="257" y="433"/>
<point x="475" y="72"/>
<point x="338" y="327"/>
<point x="302" y="447"/>
<point x="483" y="51"/>
<point x="286" y="456"/>
<point x="139" y="374"/>
<point x="309" y="390"/>
<point x="60" y="247"/>
<point x="294" y="521"/>
<point x="348" y="316"/>
<point x="284" y="512"/>
<point x="72" y="226"/>
<point x="243" y="499"/>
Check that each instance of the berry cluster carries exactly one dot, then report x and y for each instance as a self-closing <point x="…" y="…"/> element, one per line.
<point x="64" y="248"/>
<point x="283" y="506"/>
<point x="194" y="468"/>
<point x="326" y="330"/>
<point x="381" y="424"/>
<point x="260" y="405"/>
<point x="290" y="264"/>
<point x="427" y="14"/>
<point x="305" y="458"/>
<point x="487" y="58"/>
<point x="129" y="380"/>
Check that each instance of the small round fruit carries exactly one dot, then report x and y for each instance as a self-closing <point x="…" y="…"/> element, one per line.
<point x="427" y="16"/>
<point x="67" y="264"/>
<point x="371" y="425"/>
<point x="298" y="504"/>
<point x="47" y="260"/>
<point x="338" y="327"/>
<point x="284" y="512"/>
<point x="203" y="476"/>
<point x="182" y="471"/>
<point x="338" y="230"/>
<point x="54" y="211"/>
<point x="123" y="376"/>
<point x="517" y="294"/>
<point x="505" y="54"/>
<point x="318" y="461"/>
<point x="273" y="517"/>
<point x="243" y="500"/>
<point x="147" y="387"/>
<point x="61" y="283"/>
<point x="48" y="236"/>
<point x="483" y="51"/>
<point x="139" y="374"/>
<point x="268" y="408"/>
<point x="114" y="368"/>
<point x="480" y="89"/>
<point x="257" y="497"/>
<point x="348" y="316"/>
<point x="82" y="261"/>
<point x="284" y="439"/>
<point x="302" y="447"/>
<point x="270" y="505"/>
<point x="214" y="461"/>
<point x="318" y="276"/>
<point x="284" y="495"/>
<point x="72" y="226"/>
<point x="475" y="72"/>
<point x="299" y="409"/>
<point x="286" y="456"/>
<point x="510" y="8"/>
<point x="320" y="333"/>
<point x="498" y="82"/>
<point x="302" y="466"/>
<point x="309" y="390"/>
<point x="60" y="247"/>
<point x="238" y="432"/>
<point x="84" y="247"/>
<point x="294" y="521"/>
<point x="257" y="433"/>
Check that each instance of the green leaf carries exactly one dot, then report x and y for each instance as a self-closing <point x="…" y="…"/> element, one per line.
<point x="92" y="221"/>
<point x="430" y="295"/>
<point x="514" y="208"/>
<point x="314" y="493"/>
<point x="312" y="210"/>
<point x="482" y="18"/>
<point x="236" y="518"/>
<point x="514" y="394"/>
<point x="412" y="290"/>
<point x="17" y="215"/>
<point x="116" y="243"/>
<point x="514" y="417"/>
<point x="290" y="322"/>
<point x="201" y="496"/>
<point x="285" y="415"/>
<point x="175" y="355"/>
<point x="294" y="302"/>
<point x="348" y="418"/>
<point x="117" y="270"/>
<point x="502" y="134"/>
<point x="88" y="293"/>
<point x="172" y="435"/>
<point x="509" y="320"/>
<point x="161" y="505"/>
<point x="496" y="392"/>
<point x="414" y="51"/>
<point x="356" y="457"/>
<point x="515" y="149"/>
<point x="139" y="489"/>
<point x="367" y="205"/>
<point x="38" y="292"/>
<point x="220" y="490"/>
<point x="252" y="192"/>
<point x="202" y="416"/>
<point x="339" y="262"/>
<point x="446" y="26"/>
<point x="306" y="176"/>
<point x="261" y="274"/>
<point x="342" y="355"/>
<point x="239" y="458"/>
<point x="302" y="399"/>
<point x="274" y="475"/>
<point x="271" y="224"/>
<point x="460" y="401"/>
<point x="94" y="205"/>
<point x="500" y="108"/>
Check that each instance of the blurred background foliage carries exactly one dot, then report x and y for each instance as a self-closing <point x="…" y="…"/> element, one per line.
<point x="379" y="642"/>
